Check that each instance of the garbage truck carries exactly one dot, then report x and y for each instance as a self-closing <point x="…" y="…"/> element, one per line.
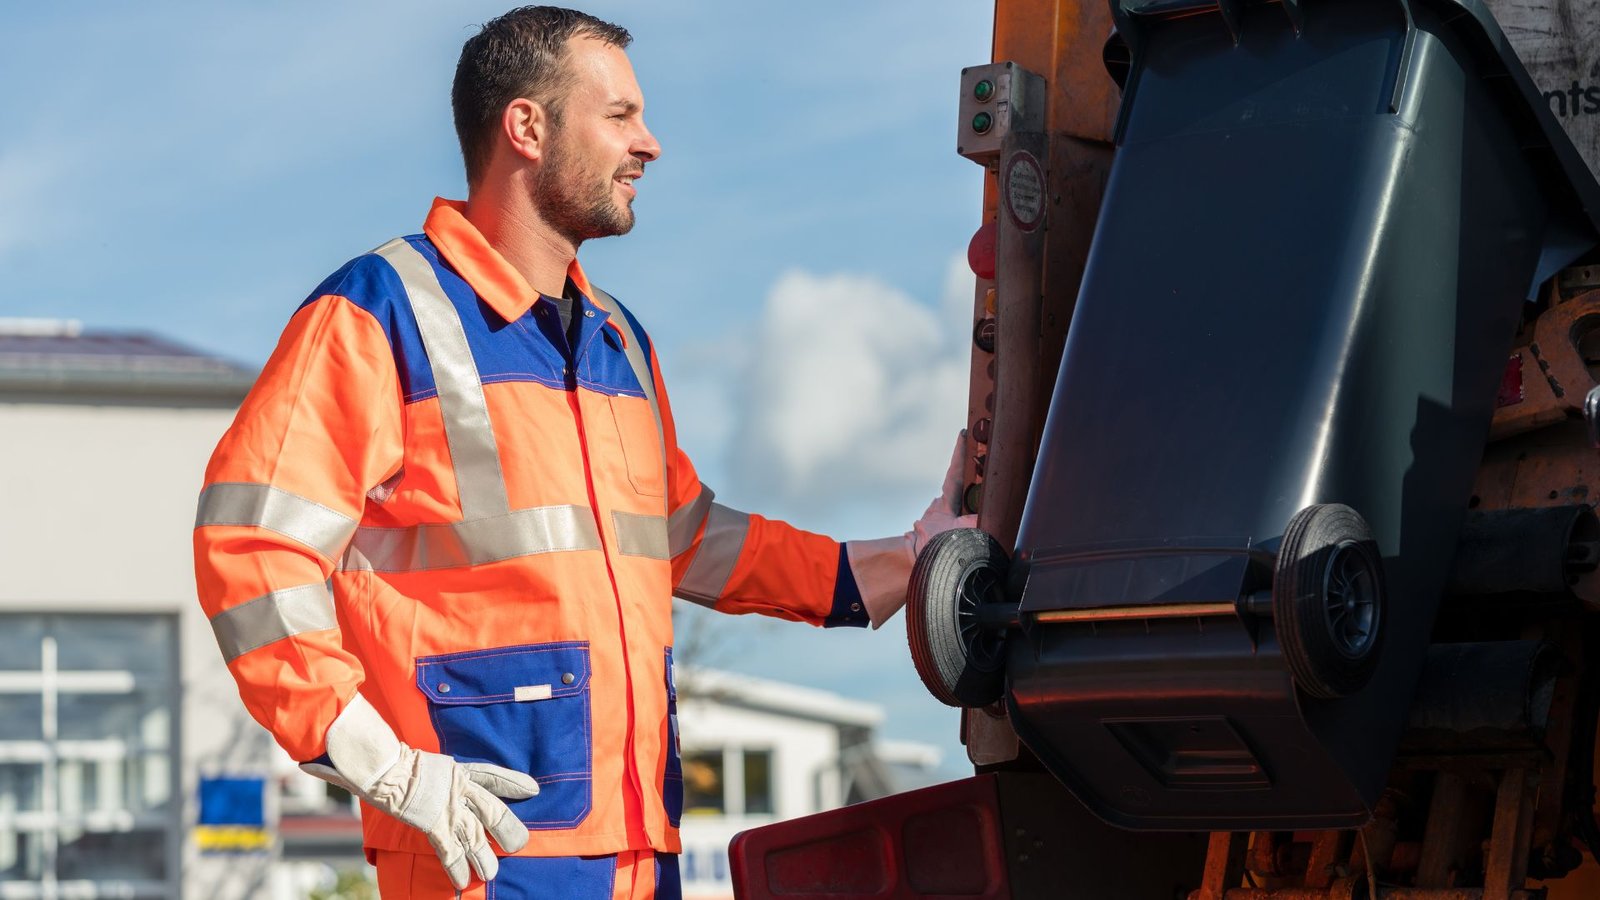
<point x="1283" y="423"/>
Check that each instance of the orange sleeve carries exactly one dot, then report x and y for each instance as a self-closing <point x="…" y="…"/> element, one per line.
<point x="737" y="562"/>
<point x="283" y="493"/>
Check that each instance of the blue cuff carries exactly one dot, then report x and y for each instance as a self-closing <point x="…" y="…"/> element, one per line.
<point x="848" y="610"/>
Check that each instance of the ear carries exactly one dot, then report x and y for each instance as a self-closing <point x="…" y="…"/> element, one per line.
<point x="525" y="125"/>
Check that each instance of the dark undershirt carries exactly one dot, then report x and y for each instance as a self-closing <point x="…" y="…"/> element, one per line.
<point x="564" y="306"/>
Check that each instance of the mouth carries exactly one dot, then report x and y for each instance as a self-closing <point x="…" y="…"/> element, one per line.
<point x="626" y="179"/>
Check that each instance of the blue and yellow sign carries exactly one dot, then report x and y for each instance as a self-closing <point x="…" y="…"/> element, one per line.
<point x="233" y="816"/>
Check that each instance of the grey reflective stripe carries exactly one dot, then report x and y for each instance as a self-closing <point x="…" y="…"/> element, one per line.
<point x="708" y="574"/>
<point x="698" y="601"/>
<point x="264" y="506"/>
<point x="273" y="617"/>
<point x="634" y="350"/>
<point x="684" y="524"/>
<point x="542" y="529"/>
<point x="479" y="481"/>
<point x="639" y="535"/>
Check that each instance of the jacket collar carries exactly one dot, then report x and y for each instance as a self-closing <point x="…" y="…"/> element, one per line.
<point x="500" y="285"/>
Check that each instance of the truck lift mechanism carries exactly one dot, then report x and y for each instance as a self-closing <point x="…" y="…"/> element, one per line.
<point x="1489" y="792"/>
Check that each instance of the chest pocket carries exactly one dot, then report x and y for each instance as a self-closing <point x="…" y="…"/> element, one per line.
<point x="641" y="444"/>
<point x="638" y="423"/>
<point x="525" y="708"/>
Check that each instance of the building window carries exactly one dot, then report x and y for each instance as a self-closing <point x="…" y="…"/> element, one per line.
<point x="87" y="756"/>
<point x="704" y="788"/>
<point x="758" y="782"/>
<point x="727" y="781"/>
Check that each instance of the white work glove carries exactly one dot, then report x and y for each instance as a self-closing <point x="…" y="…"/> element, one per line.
<point x="882" y="567"/>
<point x="453" y="803"/>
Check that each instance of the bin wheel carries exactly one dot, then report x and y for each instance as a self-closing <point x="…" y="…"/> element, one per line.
<point x="1328" y="600"/>
<point x="961" y="663"/>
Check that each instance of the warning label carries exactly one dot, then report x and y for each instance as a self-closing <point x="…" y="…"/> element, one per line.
<point x="1025" y="190"/>
<point x="1577" y="100"/>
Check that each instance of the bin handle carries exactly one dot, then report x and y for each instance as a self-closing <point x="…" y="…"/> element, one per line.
<point x="1402" y="71"/>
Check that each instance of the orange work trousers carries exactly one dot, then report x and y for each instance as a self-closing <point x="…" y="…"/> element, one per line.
<point x="633" y="875"/>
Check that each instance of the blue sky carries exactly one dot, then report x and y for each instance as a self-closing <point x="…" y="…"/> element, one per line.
<point x="194" y="169"/>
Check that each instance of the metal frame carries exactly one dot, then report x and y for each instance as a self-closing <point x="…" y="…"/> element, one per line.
<point x="49" y="682"/>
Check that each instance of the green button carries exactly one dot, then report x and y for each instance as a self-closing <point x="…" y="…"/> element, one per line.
<point x="982" y="122"/>
<point x="983" y="90"/>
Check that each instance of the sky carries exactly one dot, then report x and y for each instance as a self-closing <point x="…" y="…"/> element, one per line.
<point x="195" y="169"/>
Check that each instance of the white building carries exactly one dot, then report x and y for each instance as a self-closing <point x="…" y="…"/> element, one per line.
<point x="117" y="713"/>
<point x="756" y="752"/>
<point x="105" y="438"/>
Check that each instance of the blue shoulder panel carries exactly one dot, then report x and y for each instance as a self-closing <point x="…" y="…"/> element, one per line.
<point x="527" y="349"/>
<point x="503" y="351"/>
<point x="369" y="282"/>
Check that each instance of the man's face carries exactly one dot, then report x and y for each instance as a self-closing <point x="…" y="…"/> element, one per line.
<point x="597" y="145"/>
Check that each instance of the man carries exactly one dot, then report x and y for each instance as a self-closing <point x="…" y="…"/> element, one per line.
<point x="439" y="542"/>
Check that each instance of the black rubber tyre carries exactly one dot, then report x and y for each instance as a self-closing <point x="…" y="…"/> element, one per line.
<point x="1328" y="601"/>
<point x="960" y="663"/>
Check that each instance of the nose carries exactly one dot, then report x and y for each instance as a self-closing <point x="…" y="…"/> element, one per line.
<point x="645" y="146"/>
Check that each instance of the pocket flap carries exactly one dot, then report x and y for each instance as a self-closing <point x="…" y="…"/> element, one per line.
<point x="529" y="673"/>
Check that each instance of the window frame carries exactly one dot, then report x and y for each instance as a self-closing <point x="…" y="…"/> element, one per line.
<point x="735" y="802"/>
<point x="52" y="820"/>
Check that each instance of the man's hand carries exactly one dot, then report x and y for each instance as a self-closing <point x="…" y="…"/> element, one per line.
<point x="457" y="805"/>
<point x="944" y="513"/>
<point x="882" y="568"/>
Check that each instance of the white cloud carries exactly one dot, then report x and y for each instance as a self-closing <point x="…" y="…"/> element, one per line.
<point x="847" y="406"/>
<point x="836" y="410"/>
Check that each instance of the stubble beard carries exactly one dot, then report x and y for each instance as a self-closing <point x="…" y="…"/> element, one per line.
<point x="576" y="208"/>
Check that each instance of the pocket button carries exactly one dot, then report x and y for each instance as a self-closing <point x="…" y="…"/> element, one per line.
<point x="568" y="678"/>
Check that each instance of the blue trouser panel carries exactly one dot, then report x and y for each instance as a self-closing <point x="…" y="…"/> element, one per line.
<point x="554" y="878"/>
<point x="574" y="878"/>
<point x="668" y="886"/>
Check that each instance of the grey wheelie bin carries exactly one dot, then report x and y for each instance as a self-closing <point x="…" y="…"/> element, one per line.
<point x="1322" y="224"/>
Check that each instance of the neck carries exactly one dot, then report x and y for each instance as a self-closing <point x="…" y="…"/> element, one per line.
<point x="511" y="224"/>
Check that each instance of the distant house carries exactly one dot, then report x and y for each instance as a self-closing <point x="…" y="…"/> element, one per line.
<point x="757" y="751"/>
<point x="129" y="767"/>
<point x="113" y="699"/>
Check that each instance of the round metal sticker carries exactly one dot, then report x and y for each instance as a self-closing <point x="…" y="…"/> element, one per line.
<point x="1024" y="190"/>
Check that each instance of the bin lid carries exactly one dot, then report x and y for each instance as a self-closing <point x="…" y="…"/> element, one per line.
<point x="1571" y="188"/>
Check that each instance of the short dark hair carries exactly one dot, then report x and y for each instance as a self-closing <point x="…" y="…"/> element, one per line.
<point x="520" y="54"/>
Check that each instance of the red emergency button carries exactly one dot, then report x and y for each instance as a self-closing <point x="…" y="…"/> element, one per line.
<point x="980" y="251"/>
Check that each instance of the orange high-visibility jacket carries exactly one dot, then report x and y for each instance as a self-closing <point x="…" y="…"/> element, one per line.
<point x="428" y="498"/>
